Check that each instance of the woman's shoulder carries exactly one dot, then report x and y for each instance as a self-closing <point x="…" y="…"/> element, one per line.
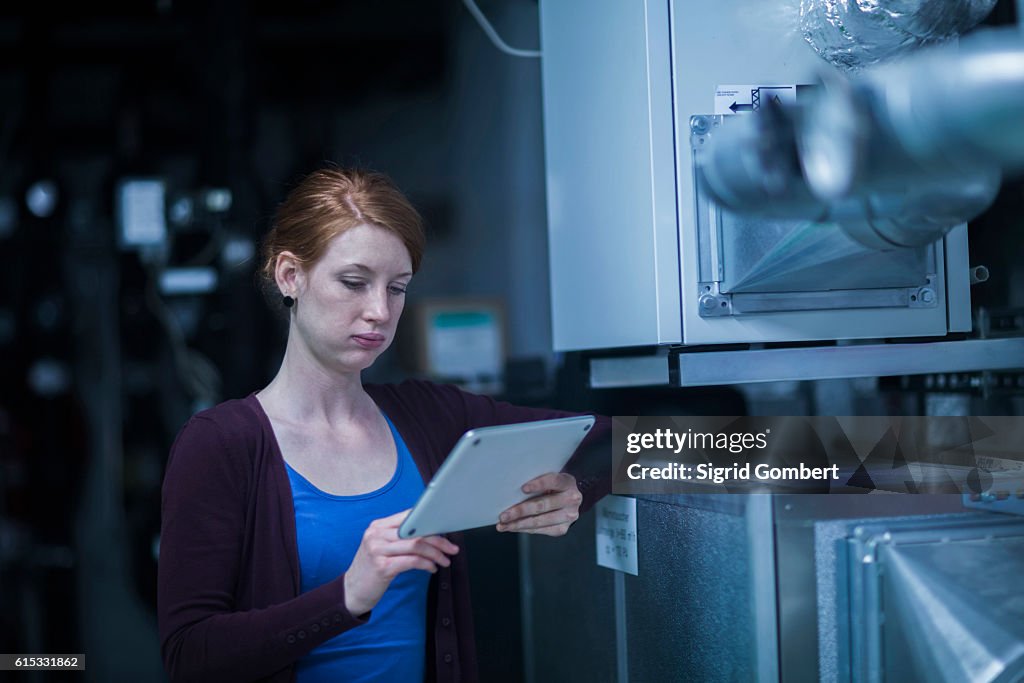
<point x="215" y="456"/>
<point x="236" y="416"/>
<point x="422" y="397"/>
<point x="235" y="412"/>
<point x="433" y="405"/>
<point x="413" y="390"/>
<point x="234" y="426"/>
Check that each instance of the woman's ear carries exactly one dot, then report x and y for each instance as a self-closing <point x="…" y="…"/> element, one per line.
<point x="289" y="274"/>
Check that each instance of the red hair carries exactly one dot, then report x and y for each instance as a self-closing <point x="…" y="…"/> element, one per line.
<point x="330" y="201"/>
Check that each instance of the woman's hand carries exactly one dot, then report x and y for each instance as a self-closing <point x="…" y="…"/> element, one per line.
<point x="382" y="556"/>
<point x="551" y="513"/>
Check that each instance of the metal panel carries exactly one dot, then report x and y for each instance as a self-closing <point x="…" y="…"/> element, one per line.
<point x="663" y="175"/>
<point x="753" y="253"/>
<point x="737" y="41"/>
<point x="690" y="611"/>
<point x="829" y="362"/>
<point x="764" y="600"/>
<point x="610" y="173"/>
<point x="629" y="371"/>
<point x="705" y="368"/>
<point x="958" y="281"/>
<point x="761" y="255"/>
<point x="701" y="609"/>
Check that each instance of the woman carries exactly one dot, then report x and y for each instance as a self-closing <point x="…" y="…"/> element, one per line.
<point x="280" y="558"/>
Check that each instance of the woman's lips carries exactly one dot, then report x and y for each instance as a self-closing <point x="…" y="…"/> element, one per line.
<point x="369" y="341"/>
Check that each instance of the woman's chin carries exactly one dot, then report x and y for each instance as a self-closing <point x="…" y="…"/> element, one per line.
<point x="358" y="361"/>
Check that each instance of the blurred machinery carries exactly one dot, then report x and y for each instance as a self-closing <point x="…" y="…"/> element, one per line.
<point x="744" y="192"/>
<point x="126" y="334"/>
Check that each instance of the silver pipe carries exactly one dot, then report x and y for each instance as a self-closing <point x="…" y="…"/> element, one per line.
<point x="922" y="214"/>
<point x="754" y="167"/>
<point x="959" y="106"/>
<point x="751" y="165"/>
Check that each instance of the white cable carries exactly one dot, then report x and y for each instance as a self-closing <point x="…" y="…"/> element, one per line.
<point x="493" y="35"/>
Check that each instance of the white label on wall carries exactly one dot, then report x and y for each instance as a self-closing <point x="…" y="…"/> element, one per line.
<point x="616" y="533"/>
<point x="743" y="99"/>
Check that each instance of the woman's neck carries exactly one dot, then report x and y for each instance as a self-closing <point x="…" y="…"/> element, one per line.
<point x="304" y="391"/>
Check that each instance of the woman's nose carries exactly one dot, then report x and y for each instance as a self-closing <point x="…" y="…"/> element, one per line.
<point x="377" y="306"/>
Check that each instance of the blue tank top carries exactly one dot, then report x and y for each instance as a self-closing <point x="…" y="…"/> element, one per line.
<point x="391" y="646"/>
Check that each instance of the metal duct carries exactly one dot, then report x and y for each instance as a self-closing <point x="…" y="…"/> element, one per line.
<point x="754" y="167"/>
<point x="958" y="608"/>
<point x="898" y="156"/>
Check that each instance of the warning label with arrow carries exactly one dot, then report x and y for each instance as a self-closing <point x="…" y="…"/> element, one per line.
<point x="741" y="99"/>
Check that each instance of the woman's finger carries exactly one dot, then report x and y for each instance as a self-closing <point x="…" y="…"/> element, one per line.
<point x="390" y="536"/>
<point x="386" y="529"/>
<point x="416" y="546"/>
<point x="554" y="530"/>
<point x="442" y="544"/>
<point x="558" y="517"/>
<point x="543" y="504"/>
<point x="552" y="481"/>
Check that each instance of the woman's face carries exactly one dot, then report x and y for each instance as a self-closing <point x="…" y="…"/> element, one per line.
<point x="349" y="302"/>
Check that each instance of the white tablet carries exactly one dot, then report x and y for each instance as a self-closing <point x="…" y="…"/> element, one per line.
<point x="485" y="472"/>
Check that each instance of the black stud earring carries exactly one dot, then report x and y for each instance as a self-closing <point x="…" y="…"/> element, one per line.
<point x="288" y="302"/>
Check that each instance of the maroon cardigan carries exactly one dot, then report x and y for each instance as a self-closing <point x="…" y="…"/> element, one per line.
<point x="228" y="601"/>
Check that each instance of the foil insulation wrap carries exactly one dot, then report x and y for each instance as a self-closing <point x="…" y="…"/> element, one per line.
<point x="853" y="34"/>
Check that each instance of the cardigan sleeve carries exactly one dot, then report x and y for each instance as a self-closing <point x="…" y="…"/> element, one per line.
<point x="590" y="464"/>
<point x="204" y="637"/>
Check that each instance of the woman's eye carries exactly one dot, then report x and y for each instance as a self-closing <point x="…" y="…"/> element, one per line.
<point x="397" y="291"/>
<point x="353" y="284"/>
